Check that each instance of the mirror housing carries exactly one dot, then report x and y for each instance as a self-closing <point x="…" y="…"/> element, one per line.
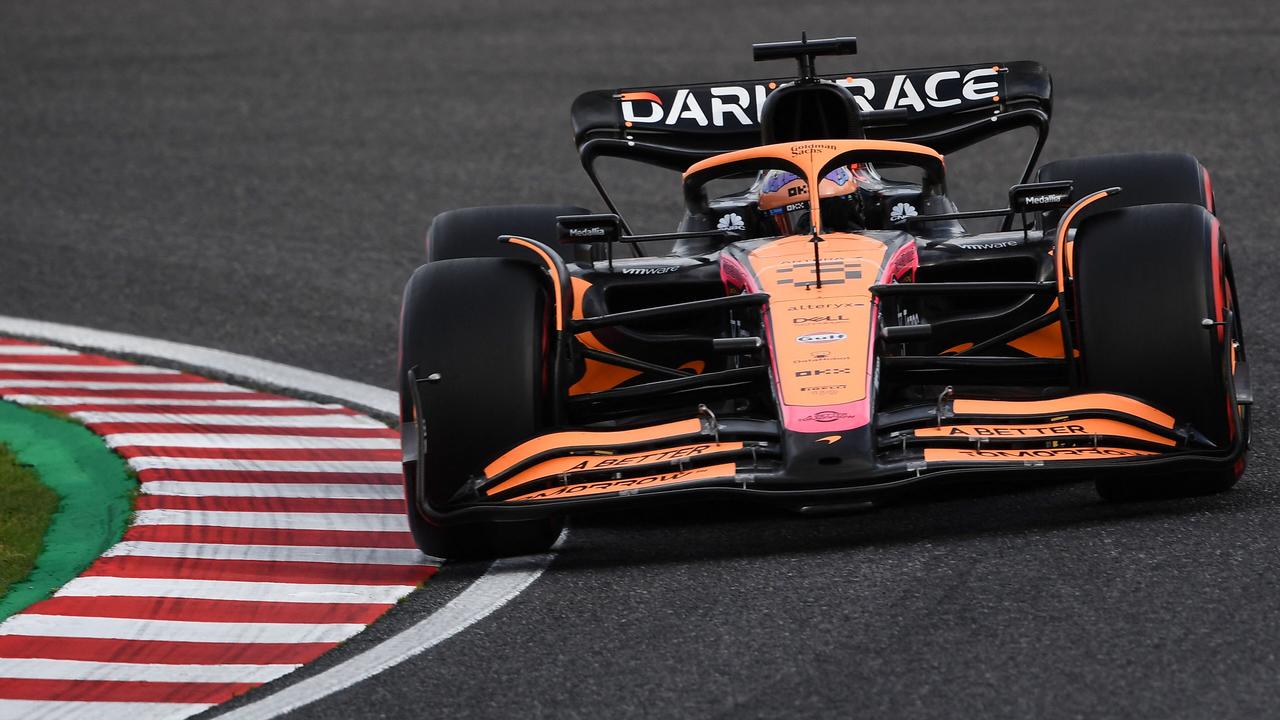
<point x="601" y="228"/>
<point x="1040" y="197"/>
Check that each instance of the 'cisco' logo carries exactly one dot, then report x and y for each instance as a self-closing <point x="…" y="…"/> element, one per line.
<point x="821" y="337"/>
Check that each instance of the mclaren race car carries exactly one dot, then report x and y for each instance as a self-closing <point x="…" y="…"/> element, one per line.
<point x="821" y="330"/>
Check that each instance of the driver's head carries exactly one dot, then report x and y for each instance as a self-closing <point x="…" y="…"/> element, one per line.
<point x="784" y="199"/>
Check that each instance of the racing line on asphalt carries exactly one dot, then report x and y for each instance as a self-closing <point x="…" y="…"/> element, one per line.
<point x="268" y="529"/>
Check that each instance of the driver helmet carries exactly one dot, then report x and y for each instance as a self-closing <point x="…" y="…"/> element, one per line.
<point x="784" y="199"/>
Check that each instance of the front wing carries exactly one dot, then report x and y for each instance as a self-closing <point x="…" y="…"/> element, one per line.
<point x="699" y="457"/>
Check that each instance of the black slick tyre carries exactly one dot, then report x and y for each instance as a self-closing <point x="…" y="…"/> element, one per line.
<point x="482" y="325"/>
<point x="1145" y="279"/>
<point x="473" y="232"/>
<point x="1145" y="178"/>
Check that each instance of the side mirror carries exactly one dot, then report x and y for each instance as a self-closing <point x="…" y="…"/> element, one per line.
<point x="1040" y="197"/>
<point x="603" y="228"/>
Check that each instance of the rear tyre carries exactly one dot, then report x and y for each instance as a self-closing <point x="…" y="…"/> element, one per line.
<point x="473" y="232"/>
<point x="482" y="324"/>
<point x="1145" y="279"/>
<point x="1146" y="179"/>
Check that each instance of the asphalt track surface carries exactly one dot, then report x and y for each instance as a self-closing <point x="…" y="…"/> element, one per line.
<point x="257" y="177"/>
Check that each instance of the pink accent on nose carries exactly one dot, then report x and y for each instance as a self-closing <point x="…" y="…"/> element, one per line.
<point x="848" y="416"/>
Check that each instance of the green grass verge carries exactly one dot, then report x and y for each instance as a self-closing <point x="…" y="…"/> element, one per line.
<point x="94" y="491"/>
<point x="26" y="508"/>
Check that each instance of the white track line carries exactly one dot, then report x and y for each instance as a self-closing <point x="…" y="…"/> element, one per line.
<point x="258" y="372"/>
<point x="503" y="581"/>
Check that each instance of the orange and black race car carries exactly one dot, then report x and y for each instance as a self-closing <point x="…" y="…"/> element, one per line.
<point x="822" y="330"/>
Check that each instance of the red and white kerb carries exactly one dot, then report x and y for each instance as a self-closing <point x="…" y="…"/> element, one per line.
<point x="267" y="531"/>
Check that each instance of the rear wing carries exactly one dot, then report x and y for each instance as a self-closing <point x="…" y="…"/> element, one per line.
<point x="945" y="108"/>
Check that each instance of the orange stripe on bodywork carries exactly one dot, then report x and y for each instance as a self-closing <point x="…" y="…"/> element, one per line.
<point x="587" y="463"/>
<point x="725" y="471"/>
<point x="821" y="156"/>
<point x="633" y="96"/>
<point x="1071" y="428"/>
<point x="1061" y="249"/>
<point x="1065" y="406"/>
<point x="579" y="288"/>
<point x="596" y="375"/>
<point x="1022" y="456"/>
<point x="1045" y="342"/>
<point x="590" y="439"/>
<point x="556" y="292"/>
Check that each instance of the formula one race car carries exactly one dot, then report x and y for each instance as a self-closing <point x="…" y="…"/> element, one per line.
<point x="823" y="331"/>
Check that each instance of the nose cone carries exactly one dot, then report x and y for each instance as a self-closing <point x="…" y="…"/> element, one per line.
<point x="821" y="335"/>
<point x="818" y="456"/>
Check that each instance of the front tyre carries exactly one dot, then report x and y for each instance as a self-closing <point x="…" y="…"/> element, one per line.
<point x="1145" y="178"/>
<point x="482" y="325"/>
<point x="1145" y="280"/>
<point x="473" y="232"/>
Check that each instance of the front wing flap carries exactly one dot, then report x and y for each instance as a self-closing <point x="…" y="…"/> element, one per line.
<point x="707" y="457"/>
